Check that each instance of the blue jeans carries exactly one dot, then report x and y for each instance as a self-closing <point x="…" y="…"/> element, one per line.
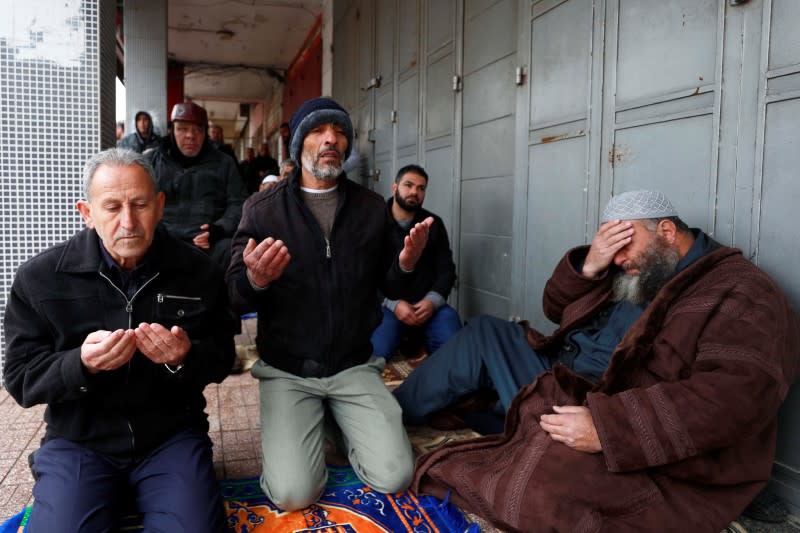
<point x="487" y="353"/>
<point x="81" y="490"/>
<point x="444" y="323"/>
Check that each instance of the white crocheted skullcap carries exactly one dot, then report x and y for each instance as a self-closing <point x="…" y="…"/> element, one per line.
<point x="637" y="205"/>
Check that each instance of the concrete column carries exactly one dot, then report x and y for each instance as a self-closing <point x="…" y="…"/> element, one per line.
<point x="327" y="48"/>
<point x="145" y="29"/>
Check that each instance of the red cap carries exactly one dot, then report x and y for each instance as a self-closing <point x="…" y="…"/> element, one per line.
<point x="190" y="112"/>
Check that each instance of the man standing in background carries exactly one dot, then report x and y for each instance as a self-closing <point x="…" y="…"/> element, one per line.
<point x="143" y="138"/>
<point x="204" y="192"/>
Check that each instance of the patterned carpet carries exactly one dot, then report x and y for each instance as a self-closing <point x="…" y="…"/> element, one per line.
<point x="346" y="505"/>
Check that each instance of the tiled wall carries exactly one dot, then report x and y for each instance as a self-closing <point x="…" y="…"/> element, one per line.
<point x="50" y="122"/>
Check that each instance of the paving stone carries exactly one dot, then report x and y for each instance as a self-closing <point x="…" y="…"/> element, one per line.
<point x="244" y="468"/>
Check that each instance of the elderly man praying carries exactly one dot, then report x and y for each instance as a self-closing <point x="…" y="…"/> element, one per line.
<point x="652" y="407"/>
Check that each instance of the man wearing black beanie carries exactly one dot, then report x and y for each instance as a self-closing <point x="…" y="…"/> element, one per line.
<point x="309" y="256"/>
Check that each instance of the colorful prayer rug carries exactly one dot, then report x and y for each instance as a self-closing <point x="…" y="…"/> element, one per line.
<point x="346" y="506"/>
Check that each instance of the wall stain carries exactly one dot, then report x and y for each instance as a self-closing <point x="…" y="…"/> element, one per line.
<point x="619" y="154"/>
<point x="552" y="138"/>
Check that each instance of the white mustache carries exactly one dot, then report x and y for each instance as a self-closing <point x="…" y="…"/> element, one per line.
<point x="128" y="235"/>
<point x="327" y="150"/>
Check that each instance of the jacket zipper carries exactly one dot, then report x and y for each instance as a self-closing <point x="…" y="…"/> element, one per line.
<point x="129" y="310"/>
<point x="129" y="303"/>
<point x="329" y="359"/>
<point x="328" y="356"/>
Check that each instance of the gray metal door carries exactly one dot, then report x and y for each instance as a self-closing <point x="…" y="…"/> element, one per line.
<point x="408" y="109"/>
<point x="351" y="49"/>
<point x="487" y="157"/>
<point x="352" y="74"/>
<point x="561" y="154"/>
<point x="345" y="84"/>
<point x="661" y="104"/>
<point x="385" y="115"/>
<point x="440" y="110"/>
<point x="776" y="198"/>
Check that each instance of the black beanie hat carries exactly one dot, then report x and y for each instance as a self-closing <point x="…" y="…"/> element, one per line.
<point x="311" y="114"/>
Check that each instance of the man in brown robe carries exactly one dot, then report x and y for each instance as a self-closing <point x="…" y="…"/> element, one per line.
<point x="677" y="434"/>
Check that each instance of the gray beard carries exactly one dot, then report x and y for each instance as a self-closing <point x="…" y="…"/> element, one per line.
<point x="656" y="266"/>
<point x="323" y="173"/>
<point x="627" y="289"/>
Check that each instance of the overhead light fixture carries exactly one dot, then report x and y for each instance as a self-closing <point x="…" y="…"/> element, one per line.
<point x="225" y="35"/>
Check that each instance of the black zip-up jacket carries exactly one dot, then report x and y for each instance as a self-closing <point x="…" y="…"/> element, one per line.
<point x="205" y="189"/>
<point x="318" y="317"/>
<point x="435" y="270"/>
<point x="64" y="293"/>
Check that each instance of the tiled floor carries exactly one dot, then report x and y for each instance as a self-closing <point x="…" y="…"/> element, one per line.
<point x="233" y="419"/>
<point x="20" y="432"/>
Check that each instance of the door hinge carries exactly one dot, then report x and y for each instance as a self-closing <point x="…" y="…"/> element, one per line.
<point x="393" y="116"/>
<point x="375" y="174"/>
<point x="519" y="75"/>
<point x="456" y="83"/>
<point x="374" y="83"/>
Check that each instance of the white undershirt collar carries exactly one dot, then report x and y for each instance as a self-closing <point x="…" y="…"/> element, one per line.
<point x="318" y="191"/>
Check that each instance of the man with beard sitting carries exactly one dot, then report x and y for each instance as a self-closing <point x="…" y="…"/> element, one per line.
<point x="674" y="355"/>
<point x="422" y="307"/>
<point x="641" y="243"/>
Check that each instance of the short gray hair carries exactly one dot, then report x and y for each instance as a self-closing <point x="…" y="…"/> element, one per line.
<point x="115" y="157"/>
<point x="286" y="163"/>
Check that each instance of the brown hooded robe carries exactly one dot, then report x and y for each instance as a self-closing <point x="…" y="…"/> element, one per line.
<point x="686" y="412"/>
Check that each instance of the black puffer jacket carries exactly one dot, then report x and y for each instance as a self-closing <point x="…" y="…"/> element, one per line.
<point x="318" y="317"/>
<point x="205" y="189"/>
<point x="63" y="294"/>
